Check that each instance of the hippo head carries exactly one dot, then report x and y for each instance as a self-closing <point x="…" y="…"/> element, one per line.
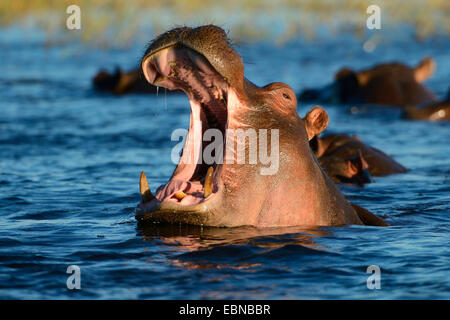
<point x="391" y="84"/>
<point x="354" y="170"/>
<point x="262" y="172"/>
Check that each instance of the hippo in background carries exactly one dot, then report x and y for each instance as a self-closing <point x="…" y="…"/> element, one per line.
<point x="346" y="159"/>
<point x="123" y="82"/>
<point x="353" y="170"/>
<point x="435" y="111"/>
<point x="394" y="84"/>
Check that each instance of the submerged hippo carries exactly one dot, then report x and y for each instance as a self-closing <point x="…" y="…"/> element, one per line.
<point x="436" y="111"/>
<point x="201" y="62"/>
<point x="348" y="170"/>
<point x="347" y="159"/>
<point x="123" y="82"/>
<point x="394" y="84"/>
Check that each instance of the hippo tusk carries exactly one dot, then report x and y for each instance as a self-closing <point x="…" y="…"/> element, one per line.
<point x="207" y="188"/>
<point x="146" y="193"/>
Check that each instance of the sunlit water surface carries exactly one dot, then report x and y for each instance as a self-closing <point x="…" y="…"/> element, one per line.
<point x="70" y="160"/>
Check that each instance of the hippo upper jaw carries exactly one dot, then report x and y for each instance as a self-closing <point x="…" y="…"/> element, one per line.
<point x="186" y="196"/>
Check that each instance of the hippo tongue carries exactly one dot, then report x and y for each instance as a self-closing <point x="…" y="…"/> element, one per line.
<point x="172" y="187"/>
<point x="192" y="190"/>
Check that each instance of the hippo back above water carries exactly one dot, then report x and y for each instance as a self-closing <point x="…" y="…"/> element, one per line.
<point x="394" y="84"/>
<point x="122" y="82"/>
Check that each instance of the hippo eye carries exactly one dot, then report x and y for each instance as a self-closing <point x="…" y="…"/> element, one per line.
<point x="286" y="96"/>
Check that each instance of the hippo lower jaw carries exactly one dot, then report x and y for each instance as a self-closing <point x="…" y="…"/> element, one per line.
<point x="190" y="193"/>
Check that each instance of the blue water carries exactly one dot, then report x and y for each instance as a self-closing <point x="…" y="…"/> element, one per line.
<point x="70" y="160"/>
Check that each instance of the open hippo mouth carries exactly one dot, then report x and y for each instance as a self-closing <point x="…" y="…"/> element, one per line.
<point x="194" y="180"/>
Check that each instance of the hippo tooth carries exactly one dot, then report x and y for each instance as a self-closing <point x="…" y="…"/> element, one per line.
<point x="146" y="193"/>
<point x="180" y="195"/>
<point x="219" y="93"/>
<point x="207" y="188"/>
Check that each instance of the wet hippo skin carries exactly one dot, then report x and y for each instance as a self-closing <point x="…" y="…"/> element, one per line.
<point x="201" y="62"/>
<point x="394" y="84"/>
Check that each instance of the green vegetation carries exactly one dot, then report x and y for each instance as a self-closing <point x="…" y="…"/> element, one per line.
<point x="118" y="21"/>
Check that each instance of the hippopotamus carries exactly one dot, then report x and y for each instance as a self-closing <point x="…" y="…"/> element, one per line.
<point x="394" y="84"/>
<point x="435" y="111"/>
<point x="353" y="170"/>
<point x="346" y="159"/>
<point x="123" y="82"/>
<point x="201" y="62"/>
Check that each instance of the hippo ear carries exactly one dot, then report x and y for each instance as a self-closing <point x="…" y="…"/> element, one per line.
<point x="424" y="69"/>
<point x="358" y="162"/>
<point x="363" y="77"/>
<point x="316" y="121"/>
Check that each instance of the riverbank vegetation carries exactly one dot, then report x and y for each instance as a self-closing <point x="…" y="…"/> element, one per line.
<point x="116" y="22"/>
